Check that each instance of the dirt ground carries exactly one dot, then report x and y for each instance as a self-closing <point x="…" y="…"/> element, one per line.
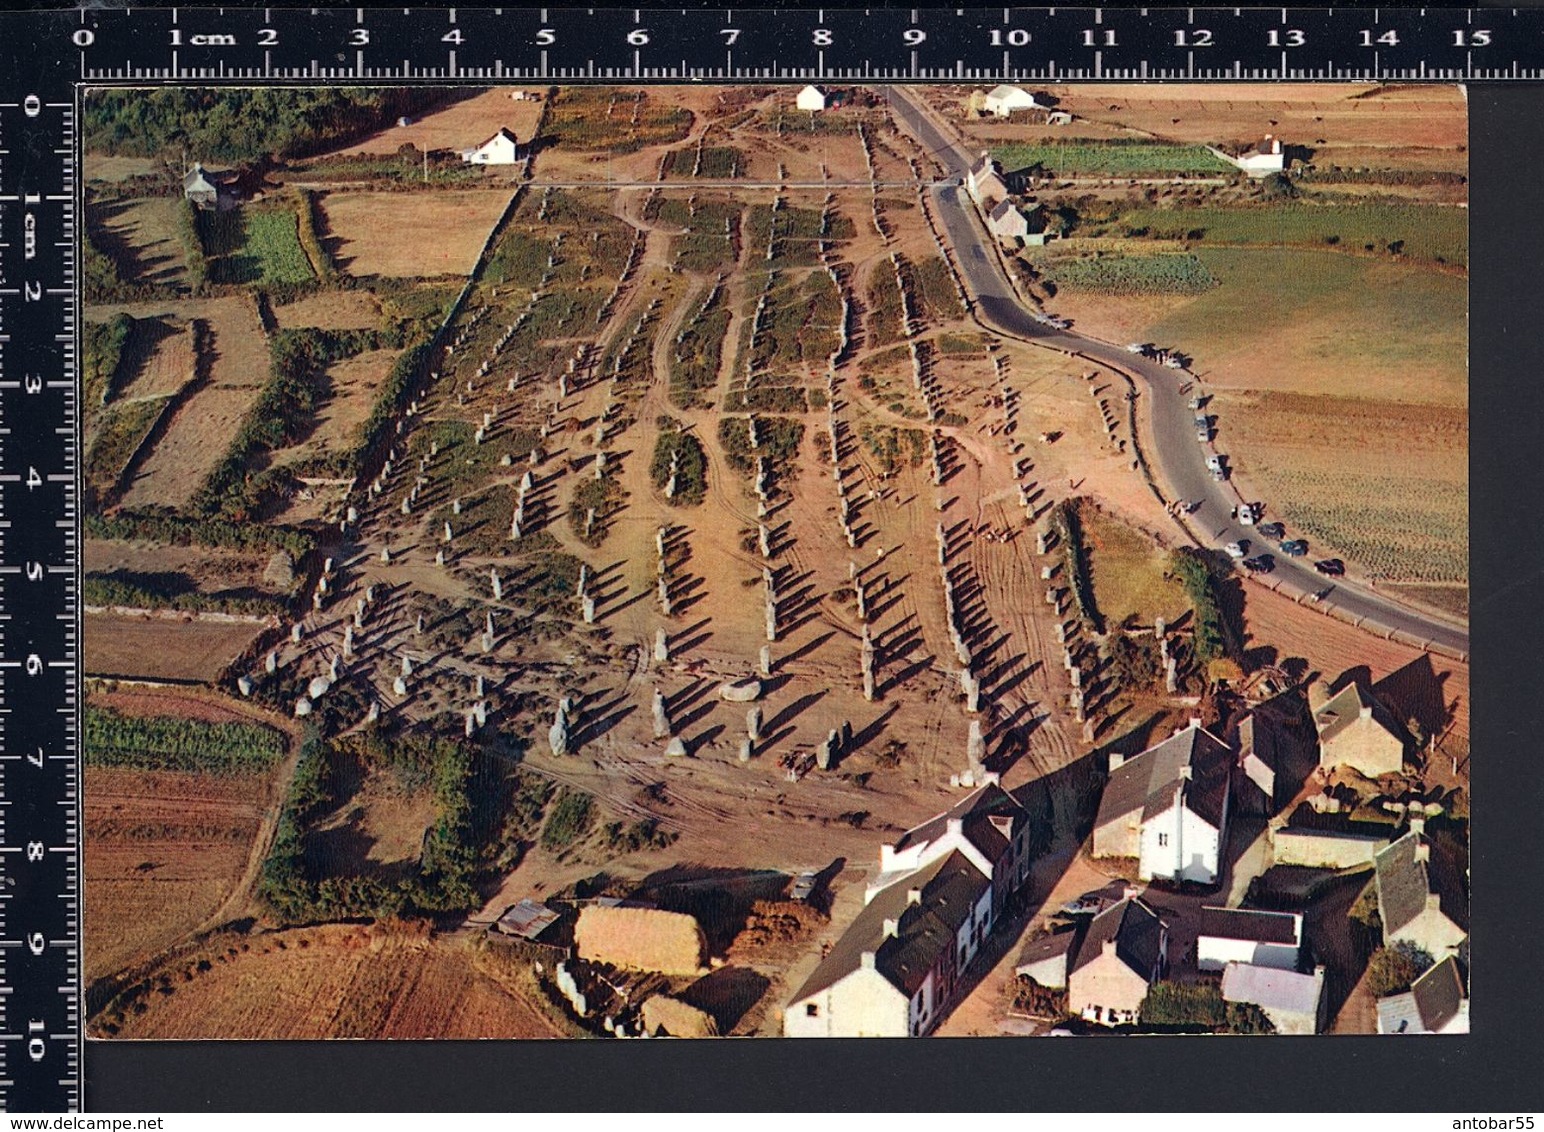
<point x="335" y="981"/>
<point x="169" y="367"/>
<point x="163" y="851"/>
<point x="406" y="235"/>
<point x="355" y="382"/>
<point x="461" y="125"/>
<point x="162" y="648"/>
<point x="330" y="310"/>
<point x="202" y="428"/>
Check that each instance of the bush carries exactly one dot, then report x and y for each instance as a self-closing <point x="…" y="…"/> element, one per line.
<point x="691" y="467"/>
<point x="571" y="815"/>
<point x="1184" y="1004"/>
<point x="1212" y="639"/>
<point x="1248" y="1018"/>
<point x="102" y="348"/>
<point x="1391" y="970"/>
<point x="174" y="590"/>
<point x="179" y="530"/>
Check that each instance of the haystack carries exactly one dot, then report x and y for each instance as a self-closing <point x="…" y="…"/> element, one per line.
<point x="663" y="1015"/>
<point x="642" y="939"/>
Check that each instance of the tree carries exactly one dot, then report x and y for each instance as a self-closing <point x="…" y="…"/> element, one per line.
<point x="1248" y="1018"/>
<point x="1391" y="970"/>
<point x="1184" y="1004"/>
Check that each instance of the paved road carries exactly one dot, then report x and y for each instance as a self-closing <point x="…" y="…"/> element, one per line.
<point x="1172" y="442"/>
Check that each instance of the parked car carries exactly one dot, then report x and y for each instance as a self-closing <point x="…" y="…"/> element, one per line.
<point x="1089" y="904"/>
<point x="1195" y="404"/>
<point x="1214" y="463"/>
<point x="1236" y="550"/>
<point x="1246" y="514"/>
<point x="1136" y="347"/>
<point x="1272" y="530"/>
<point x="803" y="887"/>
<point x="1332" y="567"/>
<point x="1294" y="548"/>
<point x="1174" y="361"/>
<point x="1260" y="564"/>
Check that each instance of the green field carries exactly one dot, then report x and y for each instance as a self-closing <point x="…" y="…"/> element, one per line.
<point x="1131" y="274"/>
<point x="1415" y="231"/>
<point x="1115" y="159"/>
<point x="254" y="246"/>
<point x="1324" y="322"/>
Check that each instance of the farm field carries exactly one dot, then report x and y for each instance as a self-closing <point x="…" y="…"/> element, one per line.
<point x="163" y="648"/>
<point x="207" y="568"/>
<point x="263" y="248"/>
<point x="163" y="851"/>
<point x="334" y="981"/>
<point x="330" y="310"/>
<point x="165" y="367"/>
<point x="407" y="235"/>
<point x="200" y="430"/>
<point x="1425" y="233"/>
<point x="354" y="383"/>
<point x="147" y="228"/>
<point x="1136" y="159"/>
<point x="459" y="125"/>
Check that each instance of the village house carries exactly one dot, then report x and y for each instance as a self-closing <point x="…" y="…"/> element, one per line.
<point x="894" y="973"/>
<point x="1275" y="756"/>
<point x="985" y="181"/>
<point x="1421" y="898"/>
<point x="1247" y="935"/>
<point x="1329" y="848"/>
<point x="1294" y="1002"/>
<point x="1015" y="224"/>
<point x="199" y="188"/>
<point x="811" y="98"/>
<point x="1168" y="807"/>
<point x="1357" y="730"/>
<point x="503" y="148"/>
<point x="989" y="826"/>
<point x="1003" y="100"/>
<point x="1124" y="953"/>
<point x="1047" y="959"/>
<point x="1436" y="1003"/>
<point x="1058" y="118"/>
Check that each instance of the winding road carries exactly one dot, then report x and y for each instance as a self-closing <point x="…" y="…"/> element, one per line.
<point x="1171" y="435"/>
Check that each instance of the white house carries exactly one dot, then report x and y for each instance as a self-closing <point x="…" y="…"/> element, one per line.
<point x="988" y="826"/>
<point x="1168" y="807"/>
<point x="1263" y="158"/>
<point x="1244" y="935"/>
<point x="810" y="98"/>
<point x="1294" y="1002"/>
<point x="1436" y="1003"/>
<point x="895" y="971"/>
<point x="501" y="149"/>
<point x="1003" y="100"/>
<point x="1421" y="897"/>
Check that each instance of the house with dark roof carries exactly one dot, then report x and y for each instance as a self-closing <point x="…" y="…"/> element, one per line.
<point x="1047" y="959"/>
<point x="1421" y="894"/>
<point x="895" y="971"/>
<point x="1247" y="935"/>
<point x="989" y="826"/>
<point x="503" y="148"/>
<point x="1168" y="807"/>
<point x="1292" y="1000"/>
<point x="1276" y="754"/>
<point x="1357" y="730"/>
<point x="1015" y="224"/>
<point x="1124" y="953"/>
<point x="1436" y="1003"/>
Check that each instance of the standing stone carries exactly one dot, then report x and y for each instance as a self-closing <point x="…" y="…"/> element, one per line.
<point x="587" y="609"/>
<point x="244" y="685"/>
<point x="399" y="686"/>
<point x="661" y="646"/>
<point x="296" y="632"/>
<point x="766" y="660"/>
<point x="271" y="663"/>
<point x="385" y="556"/>
<point x="975" y="748"/>
<point x="661" y="716"/>
<point x="753" y="724"/>
<point x="498" y="585"/>
<point x="746" y="749"/>
<point x="557" y="736"/>
<point x="374" y="713"/>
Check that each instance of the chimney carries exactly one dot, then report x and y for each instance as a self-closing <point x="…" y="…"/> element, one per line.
<point x="1366" y="712"/>
<point x="1422" y="853"/>
<point x="1109" y="947"/>
<point x="1318" y="971"/>
<point x="867" y="960"/>
<point x="1187" y="772"/>
<point x="1117" y="760"/>
<point x="1433" y="902"/>
<point x="892" y="928"/>
<point x="956" y="826"/>
<point x="914" y="896"/>
<point x="1417" y="823"/>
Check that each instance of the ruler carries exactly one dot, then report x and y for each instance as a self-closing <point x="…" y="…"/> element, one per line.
<point x="48" y="58"/>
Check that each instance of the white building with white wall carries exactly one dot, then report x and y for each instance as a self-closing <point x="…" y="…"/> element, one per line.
<point x="1246" y="935"/>
<point x="503" y="148"/>
<point x="811" y="98"/>
<point x="1003" y="100"/>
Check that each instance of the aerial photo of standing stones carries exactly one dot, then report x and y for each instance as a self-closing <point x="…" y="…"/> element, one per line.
<point x="598" y="561"/>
